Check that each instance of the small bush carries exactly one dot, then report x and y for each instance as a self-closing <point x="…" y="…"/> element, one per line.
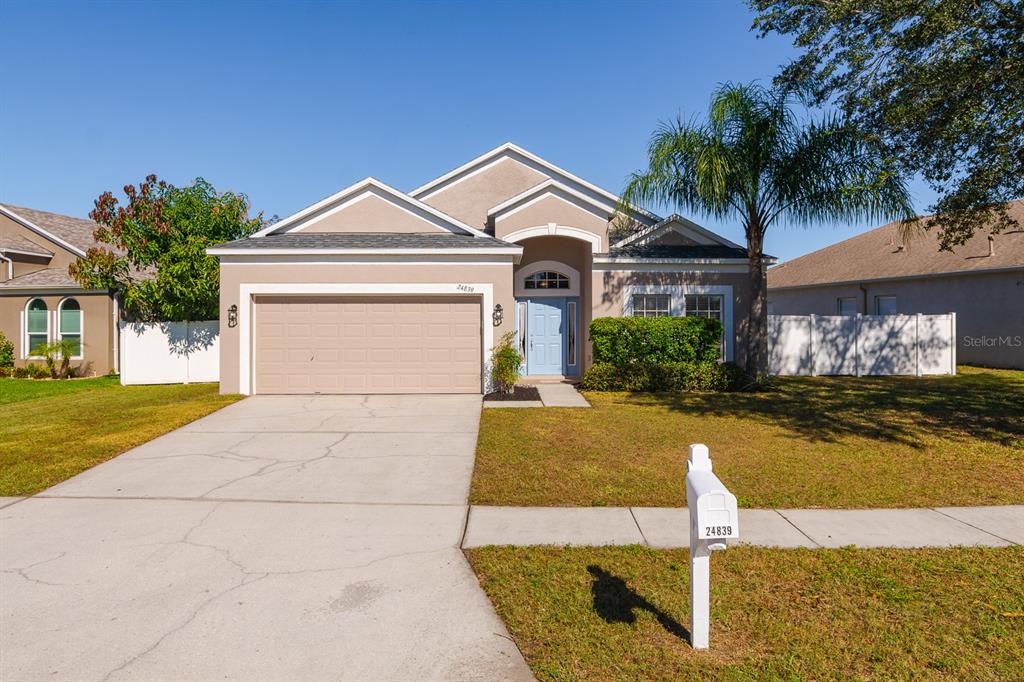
<point x="6" y="372"/>
<point x="667" y="377"/>
<point x="57" y="356"/>
<point x="6" y="352"/>
<point x="29" y="371"/>
<point x="623" y="341"/>
<point x="505" y="363"/>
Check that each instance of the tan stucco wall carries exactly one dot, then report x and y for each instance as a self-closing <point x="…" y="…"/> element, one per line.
<point x="372" y="214"/>
<point x="469" y="199"/>
<point x="608" y="299"/>
<point x="986" y="305"/>
<point x="98" y="327"/>
<point x="233" y="276"/>
<point x="552" y="209"/>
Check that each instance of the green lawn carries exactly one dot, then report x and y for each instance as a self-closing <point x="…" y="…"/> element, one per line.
<point x="52" y="430"/>
<point x="837" y="442"/>
<point x="622" y="613"/>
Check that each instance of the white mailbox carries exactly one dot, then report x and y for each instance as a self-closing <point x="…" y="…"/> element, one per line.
<point x="713" y="520"/>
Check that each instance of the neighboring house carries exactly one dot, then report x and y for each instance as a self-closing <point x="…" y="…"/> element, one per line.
<point x="875" y="274"/>
<point x="40" y="302"/>
<point x="376" y="290"/>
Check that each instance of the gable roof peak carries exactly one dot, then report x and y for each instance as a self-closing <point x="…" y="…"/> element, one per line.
<point x="391" y="194"/>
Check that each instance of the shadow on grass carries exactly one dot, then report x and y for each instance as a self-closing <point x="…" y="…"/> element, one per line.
<point x="616" y="602"/>
<point x="982" y="405"/>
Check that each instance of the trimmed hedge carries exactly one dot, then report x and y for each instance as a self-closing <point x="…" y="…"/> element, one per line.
<point x="664" y="377"/>
<point x="625" y="341"/>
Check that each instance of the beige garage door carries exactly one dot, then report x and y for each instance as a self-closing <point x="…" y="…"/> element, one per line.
<point x="367" y="345"/>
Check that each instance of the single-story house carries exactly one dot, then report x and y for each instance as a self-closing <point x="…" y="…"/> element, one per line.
<point x="382" y="291"/>
<point x="40" y="302"/>
<point x="875" y="273"/>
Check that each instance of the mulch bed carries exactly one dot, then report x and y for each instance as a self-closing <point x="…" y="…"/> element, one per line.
<point x="520" y="393"/>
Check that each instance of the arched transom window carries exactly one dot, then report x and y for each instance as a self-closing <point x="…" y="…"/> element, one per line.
<point x="547" y="279"/>
<point x="37" y="325"/>
<point x="70" y="325"/>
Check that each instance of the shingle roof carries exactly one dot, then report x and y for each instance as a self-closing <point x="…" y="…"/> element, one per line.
<point x="877" y="254"/>
<point x="47" y="278"/>
<point x="366" y="240"/>
<point x="75" y="231"/>
<point x="15" y="242"/>
<point x="676" y="251"/>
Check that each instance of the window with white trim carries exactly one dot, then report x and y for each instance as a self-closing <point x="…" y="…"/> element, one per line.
<point x="706" y="305"/>
<point x="69" y="325"/>
<point x="571" y="351"/>
<point x="652" y="305"/>
<point x="546" y="280"/>
<point x="37" y="326"/>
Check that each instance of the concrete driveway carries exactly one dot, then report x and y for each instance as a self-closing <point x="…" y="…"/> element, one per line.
<point x="282" y="538"/>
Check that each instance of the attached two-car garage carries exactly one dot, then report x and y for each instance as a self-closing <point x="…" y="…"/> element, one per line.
<point x="367" y="344"/>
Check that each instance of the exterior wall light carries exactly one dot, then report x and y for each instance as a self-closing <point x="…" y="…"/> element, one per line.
<point x="233" y="316"/>
<point x="498" y="315"/>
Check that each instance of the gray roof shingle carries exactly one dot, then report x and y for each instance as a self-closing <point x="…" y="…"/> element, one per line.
<point x="676" y="251"/>
<point x="367" y="240"/>
<point x="879" y="254"/>
<point x="47" y="278"/>
<point x="75" y="231"/>
<point x="15" y="242"/>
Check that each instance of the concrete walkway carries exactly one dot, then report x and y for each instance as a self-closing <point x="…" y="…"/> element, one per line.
<point x="281" y="538"/>
<point x="558" y="394"/>
<point x="669" y="527"/>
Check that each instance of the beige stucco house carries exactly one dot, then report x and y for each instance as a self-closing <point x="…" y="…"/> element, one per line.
<point x="377" y="290"/>
<point x="40" y="302"/>
<point x="875" y="273"/>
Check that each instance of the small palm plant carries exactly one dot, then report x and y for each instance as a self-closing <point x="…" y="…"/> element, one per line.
<point x="754" y="160"/>
<point x="58" y="352"/>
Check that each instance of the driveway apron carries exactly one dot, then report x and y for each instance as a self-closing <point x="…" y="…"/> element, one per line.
<point x="281" y="538"/>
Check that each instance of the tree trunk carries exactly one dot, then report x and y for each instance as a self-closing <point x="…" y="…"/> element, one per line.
<point x="757" y="317"/>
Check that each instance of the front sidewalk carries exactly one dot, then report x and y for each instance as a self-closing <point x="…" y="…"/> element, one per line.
<point x="669" y="527"/>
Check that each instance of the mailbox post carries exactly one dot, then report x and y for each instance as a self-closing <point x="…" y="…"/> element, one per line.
<point x="713" y="520"/>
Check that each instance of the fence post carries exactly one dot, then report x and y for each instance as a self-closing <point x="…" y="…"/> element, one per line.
<point x="188" y="344"/>
<point x="953" y="344"/>
<point x="917" y="344"/>
<point x="810" y="344"/>
<point x="856" y="345"/>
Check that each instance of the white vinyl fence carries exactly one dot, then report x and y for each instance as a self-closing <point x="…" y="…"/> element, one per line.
<point x="808" y="345"/>
<point x="170" y="352"/>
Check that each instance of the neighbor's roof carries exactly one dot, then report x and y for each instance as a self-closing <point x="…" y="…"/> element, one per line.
<point x="877" y="254"/>
<point x="47" y="278"/>
<point x="75" y="231"/>
<point x="715" y="251"/>
<point x="366" y="240"/>
<point x="15" y="242"/>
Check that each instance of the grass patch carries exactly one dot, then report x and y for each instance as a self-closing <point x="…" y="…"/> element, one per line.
<point x="52" y="430"/>
<point x="839" y="442"/>
<point x="622" y="613"/>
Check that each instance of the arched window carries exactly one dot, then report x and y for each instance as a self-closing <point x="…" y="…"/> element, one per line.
<point x="546" y="280"/>
<point x="69" y="325"/>
<point x="37" y="325"/>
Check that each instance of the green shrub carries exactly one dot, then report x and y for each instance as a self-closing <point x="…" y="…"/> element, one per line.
<point x="6" y="372"/>
<point x="6" y="351"/>
<point x="667" y="377"/>
<point x="29" y="371"/>
<point x="623" y="341"/>
<point x="505" y="363"/>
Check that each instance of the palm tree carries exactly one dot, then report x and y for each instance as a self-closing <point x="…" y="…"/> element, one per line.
<point x="755" y="160"/>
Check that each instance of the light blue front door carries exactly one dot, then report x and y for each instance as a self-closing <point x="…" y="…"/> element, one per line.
<point x="545" y="352"/>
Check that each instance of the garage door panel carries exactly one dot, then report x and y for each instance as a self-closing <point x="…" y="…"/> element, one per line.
<point x="367" y="345"/>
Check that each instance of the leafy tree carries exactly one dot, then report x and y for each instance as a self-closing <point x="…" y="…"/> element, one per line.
<point x="755" y="160"/>
<point x="941" y="82"/>
<point x="155" y="254"/>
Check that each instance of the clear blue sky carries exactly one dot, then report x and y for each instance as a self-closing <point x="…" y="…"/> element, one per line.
<point x="290" y="102"/>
